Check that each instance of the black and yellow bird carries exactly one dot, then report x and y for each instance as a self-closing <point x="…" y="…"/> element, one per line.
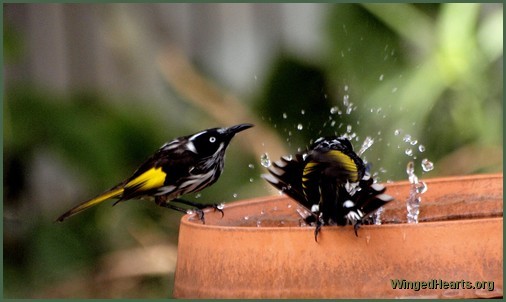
<point x="184" y="165"/>
<point x="330" y="180"/>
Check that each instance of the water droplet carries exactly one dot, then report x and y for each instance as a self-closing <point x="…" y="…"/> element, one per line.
<point x="265" y="160"/>
<point x="235" y="195"/>
<point x="345" y="87"/>
<point x="251" y="179"/>
<point x="334" y="110"/>
<point x="397" y="132"/>
<point x="365" y="145"/>
<point x="189" y="212"/>
<point x="394" y="90"/>
<point x="421" y="187"/>
<point x="198" y="195"/>
<point x="300" y="127"/>
<point x="414" y="142"/>
<point x="427" y="165"/>
<point x="259" y="223"/>
<point x="303" y="112"/>
<point x="289" y="205"/>
<point x="221" y="206"/>
<point x="246" y="217"/>
<point x="407" y="138"/>
<point x="346" y="100"/>
<point x="285" y="116"/>
<point x="381" y="77"/>
<point x="410" y="168"/>
<point x="304" y="156"/>
<point x="421" y="148"/>
<point x="348" y="128"/>
<point x="409" y="152"/>
<point x="251" y="166"/>
<point x="377" y="216"/>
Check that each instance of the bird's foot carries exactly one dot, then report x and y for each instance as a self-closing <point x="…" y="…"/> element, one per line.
<point x="356" y="226"/>
<point x="319" y="224"/>
<point x="216" y="206"/>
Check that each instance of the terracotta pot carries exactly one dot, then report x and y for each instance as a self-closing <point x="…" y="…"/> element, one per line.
<point x="259" y="250"/>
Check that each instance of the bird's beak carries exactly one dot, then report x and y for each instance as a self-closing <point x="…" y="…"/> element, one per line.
<point x="237" y="128"/>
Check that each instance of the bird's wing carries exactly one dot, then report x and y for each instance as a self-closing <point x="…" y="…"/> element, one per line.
<point x="338" y="165"/>
<point x="164" y="168"/>
<point x="286" y="175"/>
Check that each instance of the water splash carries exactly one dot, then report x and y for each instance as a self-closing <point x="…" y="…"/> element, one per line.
<point x="368" y="142"/>
<point x="377" y="216"/>
<point x="414" y="199"/>
<point x="265" y="160"/>
<point x="427" y="165"/>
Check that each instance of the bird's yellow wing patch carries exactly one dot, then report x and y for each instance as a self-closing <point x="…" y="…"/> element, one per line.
<point x="347" y="163"/>
<point x="149" y="180"/>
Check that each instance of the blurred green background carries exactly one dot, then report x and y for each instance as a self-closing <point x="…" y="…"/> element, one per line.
<point x="92" y="90"/>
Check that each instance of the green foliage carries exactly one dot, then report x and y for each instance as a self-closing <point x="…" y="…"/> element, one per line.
<point x="426" y="71"/>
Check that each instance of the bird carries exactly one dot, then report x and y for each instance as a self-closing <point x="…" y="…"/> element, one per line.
<point x="183" y="165"/>
<point x="331" y="181"/>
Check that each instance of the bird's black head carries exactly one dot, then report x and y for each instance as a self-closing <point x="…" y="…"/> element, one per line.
<point x="213" y="141"/>
<point x="332" y="142"/>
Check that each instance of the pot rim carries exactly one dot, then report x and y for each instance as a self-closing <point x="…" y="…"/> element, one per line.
<point x="185" y="220"/>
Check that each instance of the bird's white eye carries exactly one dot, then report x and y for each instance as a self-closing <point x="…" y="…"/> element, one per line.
<point x="212" y="139"/>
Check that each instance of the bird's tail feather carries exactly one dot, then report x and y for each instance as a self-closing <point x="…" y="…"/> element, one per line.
<point x="112" y="193"/>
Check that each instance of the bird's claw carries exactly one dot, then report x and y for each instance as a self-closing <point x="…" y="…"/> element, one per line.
<point x="200" y="214"/>
<point x="356" y="226"/>
<point x="219" y="208"/>
<point x="317" y="229"/>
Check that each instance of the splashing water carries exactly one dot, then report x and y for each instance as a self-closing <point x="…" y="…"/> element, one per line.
<point x="265" y="160"/>
<point x="377" y="216"/>
<point x="414" y="199"/>
<point x="427" y="165"/>
<point x="334" y="110"/>
<point x="365" y="145"/>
